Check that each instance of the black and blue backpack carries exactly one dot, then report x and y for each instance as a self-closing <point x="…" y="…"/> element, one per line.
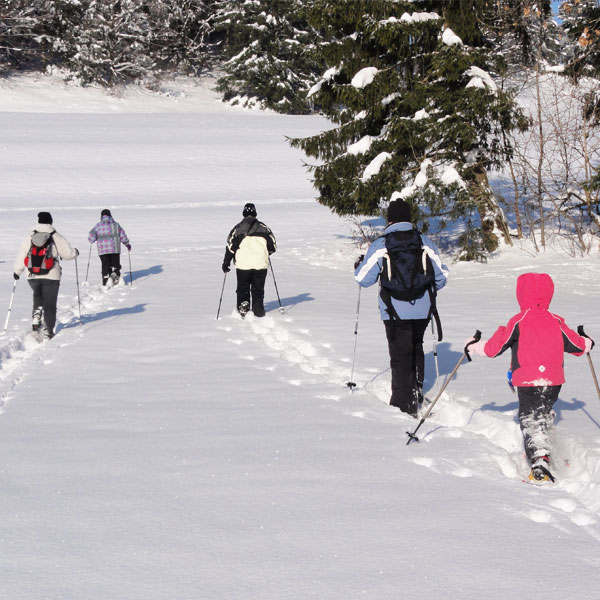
<point x="407" y="272"/>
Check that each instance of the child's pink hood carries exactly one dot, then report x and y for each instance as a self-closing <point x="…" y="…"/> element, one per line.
<point x="534" y="289"/>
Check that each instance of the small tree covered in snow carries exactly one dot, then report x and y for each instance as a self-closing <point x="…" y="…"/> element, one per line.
<point x="36" y="34"/>
<point x="416" y="113"/>
<point x="178" y="36"/>
<point x="267" y="46"/>
<point x="113" y="42"/>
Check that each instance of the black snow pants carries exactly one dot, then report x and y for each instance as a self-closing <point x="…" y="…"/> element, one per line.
<point x="111" y="263"/>
<point x="407" y="361"/>
<point x="251" y="284"/>
<point x="45" y="296"/>
<point x="536" y="417"/>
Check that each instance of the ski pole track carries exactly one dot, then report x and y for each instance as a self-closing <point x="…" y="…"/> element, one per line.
<point x="575" y="496"/>
<point x="21" y="352"/>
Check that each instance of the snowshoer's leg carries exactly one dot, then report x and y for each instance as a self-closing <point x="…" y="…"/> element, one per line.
<point x="535" y="415"/>
<point x="38" y="300"/>
<point x="257" y="290"/>
<point x="405" y="343"/>
<point x="50" y="292"/>
<point x="243" y="290"/>
<point x="105" y="262"/>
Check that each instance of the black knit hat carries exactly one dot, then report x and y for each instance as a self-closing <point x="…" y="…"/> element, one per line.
<point x="249" y="210"/>
<point x="105" y="213"/>
<point x="45" y="218"/>
<point x="398" y="212"/>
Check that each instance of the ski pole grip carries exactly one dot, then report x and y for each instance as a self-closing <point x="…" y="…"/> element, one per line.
<point x="476" y="338"/>
<point x="582" y="333"/>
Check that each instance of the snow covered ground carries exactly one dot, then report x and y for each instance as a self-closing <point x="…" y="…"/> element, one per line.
<point x="153" y="452"/>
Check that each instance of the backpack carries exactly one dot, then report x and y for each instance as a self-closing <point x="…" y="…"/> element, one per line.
<point x="407" y="270"/>
<point x="39" y="259"/>
<point x="407" y="274"/>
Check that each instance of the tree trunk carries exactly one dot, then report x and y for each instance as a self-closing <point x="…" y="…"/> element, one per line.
<point x="493" y="222"/>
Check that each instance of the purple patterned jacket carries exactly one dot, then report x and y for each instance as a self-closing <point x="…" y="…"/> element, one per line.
<point x="109" y="235"/>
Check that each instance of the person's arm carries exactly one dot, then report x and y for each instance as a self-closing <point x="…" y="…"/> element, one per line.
<point x="19" y="265"/>
<point x="440" y="270"/>
<point x="573" y="342"/>
<point x="64" y="248"/>
<point x="124" y="239"/>
<point x="367" y="271"/>
<point x="92" y="236"/>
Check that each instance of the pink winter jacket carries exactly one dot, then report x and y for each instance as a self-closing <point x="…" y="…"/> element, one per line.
<point x="536" y="337"/>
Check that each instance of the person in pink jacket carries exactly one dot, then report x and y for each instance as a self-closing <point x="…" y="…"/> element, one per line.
<point x="538" y="340"/>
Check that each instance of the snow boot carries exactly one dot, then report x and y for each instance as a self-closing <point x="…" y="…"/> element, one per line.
<point x="243" y="308"/>
<point x="36" y="319"/>
<point x="540" y="471"/>
<point x="114" y="278"/>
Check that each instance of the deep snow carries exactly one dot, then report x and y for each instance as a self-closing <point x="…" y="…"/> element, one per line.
<point x="153" y="452"/>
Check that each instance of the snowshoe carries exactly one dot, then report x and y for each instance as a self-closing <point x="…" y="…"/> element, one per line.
<point x="114" y="278"/>
<point x="36" y="319"/>
<point x="243" y="308"/>
<point x="540" y="471"/>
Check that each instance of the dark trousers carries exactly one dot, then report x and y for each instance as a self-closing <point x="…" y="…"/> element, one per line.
<point x="111" y="263"/>
<point x="407" y="361"/>
<point x="45" y="296"/>
<point x="251" y="285"/>
<point x="535" y="417"/>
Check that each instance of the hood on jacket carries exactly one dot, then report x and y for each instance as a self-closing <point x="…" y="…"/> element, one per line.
<point x="534" y="290"/>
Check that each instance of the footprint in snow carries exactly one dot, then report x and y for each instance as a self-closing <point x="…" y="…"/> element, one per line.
<point x="422" y="461"/>
<point x="539" y="516"/>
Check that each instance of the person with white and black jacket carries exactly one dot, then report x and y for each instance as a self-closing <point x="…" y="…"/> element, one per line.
<point x="45" y="286"/>
<point x="250" y="243"/>
<point x="405" y="321"/>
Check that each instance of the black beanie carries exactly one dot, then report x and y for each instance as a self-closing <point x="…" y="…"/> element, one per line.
<point x="105" y="213"/>
<point x="45" y="218"/>
<point x="398" y="212"/>
<point x="249" y="210"/>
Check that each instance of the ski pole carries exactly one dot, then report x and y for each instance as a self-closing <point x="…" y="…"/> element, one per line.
<point x="10" y="306"/>
<point x="78" y="296"/>
<point x="221" y="298"/>
<point x="582" y="333"/>
<point x="130" y="271"/>
<point x="275" y="282"/>
<point x="87" y="272"/>
<point x="351" y="384"/>
<point x="435" y="357"/>
<point x="412" y="436"/>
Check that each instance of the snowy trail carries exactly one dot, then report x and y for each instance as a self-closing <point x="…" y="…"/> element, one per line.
<point x="574" y="497"/>
<point x="22" y="352"/>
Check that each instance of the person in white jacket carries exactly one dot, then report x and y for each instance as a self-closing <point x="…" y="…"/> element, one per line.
<point x="45" y="281"/>
<point x="250" y="243"/>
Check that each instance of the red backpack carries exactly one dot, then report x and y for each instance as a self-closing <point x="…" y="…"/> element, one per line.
<point x="39" y="259"/>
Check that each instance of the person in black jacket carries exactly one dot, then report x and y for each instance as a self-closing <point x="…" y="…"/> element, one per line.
<point x="250" y="243"/>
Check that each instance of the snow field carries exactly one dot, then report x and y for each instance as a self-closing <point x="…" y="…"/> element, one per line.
<point x="156" y="452"/>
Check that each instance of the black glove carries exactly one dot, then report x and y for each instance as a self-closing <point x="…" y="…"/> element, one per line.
<point x="358" y="261"/>
<point x="16" y="277"/>
<point x="76" y="252"/>
<point x="128" y="246"/>
<point x="225" y="267"/>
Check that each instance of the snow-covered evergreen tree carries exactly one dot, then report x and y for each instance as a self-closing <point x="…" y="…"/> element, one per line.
<point x="522" y="32"/>
<point x="113" y="45"/>
<point x="178" y="34"/>
<point x="581" y="22"/>
<point x="268" y="50"/>
<point x="417" y="115"/>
